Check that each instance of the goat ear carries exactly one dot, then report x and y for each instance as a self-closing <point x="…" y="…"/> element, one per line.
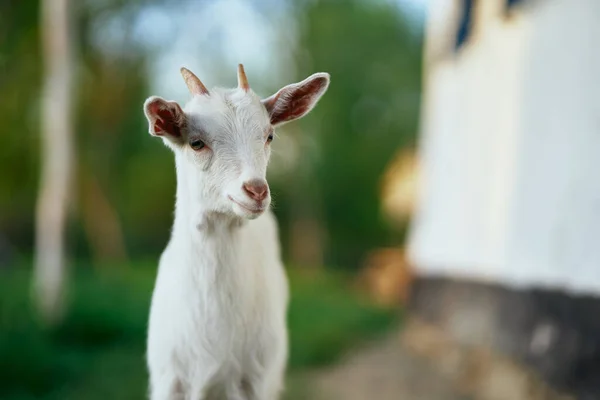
<point x="296" y="100"/>
<point x="165" y="118"/>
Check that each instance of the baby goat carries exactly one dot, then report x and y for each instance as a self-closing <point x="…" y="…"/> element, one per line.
<point x="217" y="325"/>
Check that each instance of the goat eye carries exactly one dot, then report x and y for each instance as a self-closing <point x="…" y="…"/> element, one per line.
<point x="270" y="138"/>
<point x="197" y="144"/>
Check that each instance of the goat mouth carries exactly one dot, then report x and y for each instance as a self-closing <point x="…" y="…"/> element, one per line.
<point x="254" y="210"/>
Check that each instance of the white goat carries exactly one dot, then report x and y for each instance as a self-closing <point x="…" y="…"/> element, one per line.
<point x="217" y="325"/>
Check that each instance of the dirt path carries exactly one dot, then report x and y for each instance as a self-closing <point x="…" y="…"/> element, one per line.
<point x="383" y="371"/>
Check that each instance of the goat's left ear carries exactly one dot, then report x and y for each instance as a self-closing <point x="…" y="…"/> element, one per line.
<point x="165" y="118"/>
<point x="296" y="100"/>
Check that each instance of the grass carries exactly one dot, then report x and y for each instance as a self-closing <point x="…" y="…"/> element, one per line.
<point x="326" y="318"/>
<point x="98" y="351"/>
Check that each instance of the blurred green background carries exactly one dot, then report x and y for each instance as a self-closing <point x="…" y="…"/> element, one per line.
<point x="326" y="175"/>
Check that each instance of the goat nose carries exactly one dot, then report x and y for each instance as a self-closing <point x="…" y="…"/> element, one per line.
<point x="256" y="189"/>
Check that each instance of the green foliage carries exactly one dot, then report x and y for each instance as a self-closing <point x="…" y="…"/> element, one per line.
<point x="108" y="316"/>
<point x="20" y="70"/>
<point x="109" y="87"/>
<point x="98" y="352"/>
<point x="369" y="112"/>
<point x="326" y="319"/>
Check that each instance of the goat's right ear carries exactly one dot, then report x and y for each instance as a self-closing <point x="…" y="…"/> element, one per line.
<point x="165" y="118"/>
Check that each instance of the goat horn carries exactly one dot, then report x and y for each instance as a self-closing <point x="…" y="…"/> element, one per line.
<point x="242" y="80"/>
<point x="194" y="84"/>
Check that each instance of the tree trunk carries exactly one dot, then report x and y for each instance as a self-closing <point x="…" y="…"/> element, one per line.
<point x="56" y="161"/>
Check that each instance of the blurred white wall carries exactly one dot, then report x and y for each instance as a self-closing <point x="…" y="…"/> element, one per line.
<point x="510" y="146"/>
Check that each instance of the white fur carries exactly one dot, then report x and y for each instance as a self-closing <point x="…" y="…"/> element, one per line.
<point x="217" y="325"/>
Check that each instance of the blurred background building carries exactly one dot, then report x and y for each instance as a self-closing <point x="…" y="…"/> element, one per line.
<point x="437" y="210"/>
<point x="504" y="237"/>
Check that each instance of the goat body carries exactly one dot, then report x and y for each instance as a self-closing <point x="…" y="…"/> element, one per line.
<point x="217" y="325"/>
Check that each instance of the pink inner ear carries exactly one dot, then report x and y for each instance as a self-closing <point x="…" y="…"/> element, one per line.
<point x="166" y="120"/>
<point x="299" y="101"/>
